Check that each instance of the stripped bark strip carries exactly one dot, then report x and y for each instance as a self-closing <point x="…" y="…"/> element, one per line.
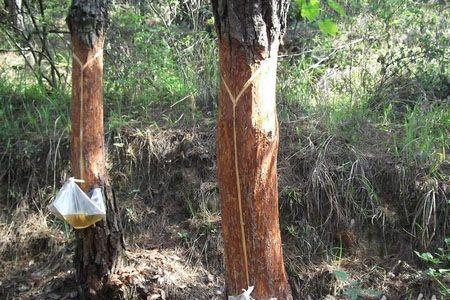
<point x="234" y="101"/>
<point x="82" y="68"/>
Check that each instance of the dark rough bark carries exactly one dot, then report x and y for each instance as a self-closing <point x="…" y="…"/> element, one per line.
<point x="256" y="25"/>
<point x="88" y="19"/>
<point x="99" y="247"/>
<point x="15" y="14"/>
<point x="99" y="252"/>
<point x="247" y="145"/>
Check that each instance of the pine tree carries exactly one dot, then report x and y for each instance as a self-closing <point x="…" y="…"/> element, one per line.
<point x="247" y="144"/>
<point x="99" y="247"/>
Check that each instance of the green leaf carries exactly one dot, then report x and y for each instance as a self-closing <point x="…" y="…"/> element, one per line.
<point x="300" y="3"/>
<point x="328" y="26"/>
<point x="431" y="272"/>
<point x="310" y="9"/>
<point x="336" y="7"/>
<point x="353" y="293"/>
<point x="426" y="256"/>
<point x="341" y="275"/>
<point x="373" y="293"/>
<point x="210" y="21"/>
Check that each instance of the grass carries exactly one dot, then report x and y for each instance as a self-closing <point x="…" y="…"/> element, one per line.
<point x="152" y="69"/>
<point x="158" y="67"/>
<point x="29" y="112"/>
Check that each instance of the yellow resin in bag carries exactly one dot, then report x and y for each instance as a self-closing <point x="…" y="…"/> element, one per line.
<point x="80" y="221"/>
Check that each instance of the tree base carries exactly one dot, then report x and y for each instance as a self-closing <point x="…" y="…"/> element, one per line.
<point x="99" y="253"/>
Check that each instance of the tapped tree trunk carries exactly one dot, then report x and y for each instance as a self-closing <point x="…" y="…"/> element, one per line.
<point x="99" y="247"/>
<point x="247" y="145"/>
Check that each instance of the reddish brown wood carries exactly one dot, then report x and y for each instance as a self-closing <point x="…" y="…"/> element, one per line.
<point x="253" y="257"/>
<point x="90" y="118"/>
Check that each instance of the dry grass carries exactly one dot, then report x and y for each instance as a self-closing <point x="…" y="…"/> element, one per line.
<point x="165" y="180"/>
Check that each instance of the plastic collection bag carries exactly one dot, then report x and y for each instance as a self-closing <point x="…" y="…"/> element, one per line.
<point x="244" y="296"/>
<point x="74" y="206"/>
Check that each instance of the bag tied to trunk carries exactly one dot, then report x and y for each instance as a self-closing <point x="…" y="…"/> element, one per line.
<point x="77" y="208"/>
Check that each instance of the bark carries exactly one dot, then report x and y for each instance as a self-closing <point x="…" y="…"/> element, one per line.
<point x="99" y="247"/>
<point x="15" y="14"/>
<point x="247" y="145"/>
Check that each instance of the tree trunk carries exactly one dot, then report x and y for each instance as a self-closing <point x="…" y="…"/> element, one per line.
<point x="247" y="145"/>
<point x="15" y="14"/>
<point x="99" y="247"/>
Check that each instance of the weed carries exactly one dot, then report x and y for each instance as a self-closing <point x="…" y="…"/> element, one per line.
<point x="438" y="266"/>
